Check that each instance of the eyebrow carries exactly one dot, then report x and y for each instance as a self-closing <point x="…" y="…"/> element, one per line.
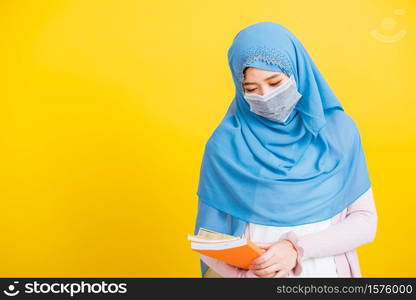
<point x="273" y="76"/>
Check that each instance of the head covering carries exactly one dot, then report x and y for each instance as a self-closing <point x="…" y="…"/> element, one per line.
<point x="302" y="171"/>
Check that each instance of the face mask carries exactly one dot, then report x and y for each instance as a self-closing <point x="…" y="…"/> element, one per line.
<point x="277" y="104"/>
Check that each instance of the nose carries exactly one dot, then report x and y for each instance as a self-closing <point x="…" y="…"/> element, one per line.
<point x="266" y="90"/>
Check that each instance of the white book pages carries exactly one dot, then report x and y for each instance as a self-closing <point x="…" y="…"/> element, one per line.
<point x="218" y="246"/>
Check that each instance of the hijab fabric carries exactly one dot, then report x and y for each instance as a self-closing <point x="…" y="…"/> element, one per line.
<point x="302" y="171"/>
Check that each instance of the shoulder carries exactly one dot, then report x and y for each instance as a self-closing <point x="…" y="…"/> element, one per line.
<point x="341" y="119"/>
<point x="341" y="125"/>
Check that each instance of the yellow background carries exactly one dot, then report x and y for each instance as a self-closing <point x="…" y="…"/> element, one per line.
<point x="106" y="107"/>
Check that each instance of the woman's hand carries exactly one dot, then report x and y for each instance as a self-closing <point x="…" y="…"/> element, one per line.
<point x="277" y="261"/>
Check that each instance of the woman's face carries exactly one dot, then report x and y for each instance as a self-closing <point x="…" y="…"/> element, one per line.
<point x="260" y="82"/>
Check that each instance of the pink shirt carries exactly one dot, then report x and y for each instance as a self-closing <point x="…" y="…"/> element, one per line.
<point x="356" y="225"/>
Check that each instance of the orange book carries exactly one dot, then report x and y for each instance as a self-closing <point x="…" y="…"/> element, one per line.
<point x="233" y="250"/>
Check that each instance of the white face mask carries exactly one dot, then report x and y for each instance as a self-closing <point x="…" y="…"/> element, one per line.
<point x="277" y="104"/>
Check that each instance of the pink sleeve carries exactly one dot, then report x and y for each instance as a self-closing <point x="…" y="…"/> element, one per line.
<point x="357" y="228"/>
<point x="227" y="270"/>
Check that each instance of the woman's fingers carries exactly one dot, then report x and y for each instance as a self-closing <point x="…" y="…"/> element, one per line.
<point x="270" y="275"/>
<point x="281" y="274"/>
<point x="262" y="265"/>
<point x="266" y="275"/>
<point x="268" y="270"/>
<point x="263" y="258"/>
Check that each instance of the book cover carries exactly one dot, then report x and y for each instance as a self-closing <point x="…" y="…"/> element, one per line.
<point x="233" y="250"/>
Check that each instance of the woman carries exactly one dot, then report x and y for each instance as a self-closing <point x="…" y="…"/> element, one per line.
<point x="285" y="167"/>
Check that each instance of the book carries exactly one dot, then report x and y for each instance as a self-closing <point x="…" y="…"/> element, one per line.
<point x="233" y="250"/>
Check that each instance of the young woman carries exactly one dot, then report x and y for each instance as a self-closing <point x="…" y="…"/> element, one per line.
<point x="285" y="167"/>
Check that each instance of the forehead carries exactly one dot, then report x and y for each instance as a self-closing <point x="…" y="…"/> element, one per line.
<point x="260" y="74"/>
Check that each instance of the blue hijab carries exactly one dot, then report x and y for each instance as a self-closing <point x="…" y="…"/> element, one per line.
<point x="303" y="171"/>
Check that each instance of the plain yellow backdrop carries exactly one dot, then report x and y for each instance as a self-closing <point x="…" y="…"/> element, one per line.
<point x="106" y="107"/>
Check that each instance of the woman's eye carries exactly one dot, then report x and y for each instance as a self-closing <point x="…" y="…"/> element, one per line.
<point x="275" y="83"/>
<point x="272" y="84"/>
